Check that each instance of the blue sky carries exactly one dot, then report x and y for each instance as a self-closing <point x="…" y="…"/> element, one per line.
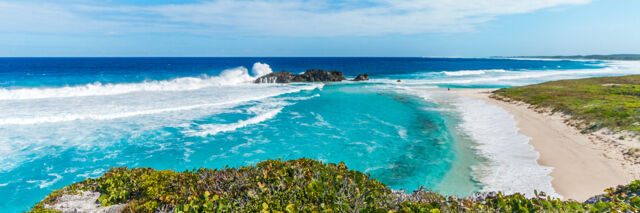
<point x="465" y="28"/>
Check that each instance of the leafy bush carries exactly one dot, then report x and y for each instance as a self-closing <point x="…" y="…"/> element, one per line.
<point x="304" y="185"/>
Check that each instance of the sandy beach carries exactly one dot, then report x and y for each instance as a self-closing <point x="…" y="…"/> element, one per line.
<point x="583" y="165"/>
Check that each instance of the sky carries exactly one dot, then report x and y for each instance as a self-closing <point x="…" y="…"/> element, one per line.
<point x="229" y="28"/>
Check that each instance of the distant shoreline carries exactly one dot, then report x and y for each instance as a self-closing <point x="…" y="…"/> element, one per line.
<point x="583" y="164"/>
<point x="622" y="57"/>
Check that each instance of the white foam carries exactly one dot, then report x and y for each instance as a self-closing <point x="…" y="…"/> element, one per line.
<point x="517" y="75"/>
<point x="45" y="183"/>
<point x="462" y="73"/>
<point x="264" y="111"/>
<point x="213" y="129"/>
<point x="261" y="112"/>
<point x="62" y="117"/>
<point x="551" y="59"/>
<point x="260" y="69"/>
<point x="513" y="78"/>
<point x="470" y="72"/>
<point x="512" y="162"/>
<point x="402" y="131"/>
<point x="31" y="128"/>
<point x="73" y="117"/>
<point x="205" y="101"/>
<point x="90" y="174"/>
<point x="233" y="76"/>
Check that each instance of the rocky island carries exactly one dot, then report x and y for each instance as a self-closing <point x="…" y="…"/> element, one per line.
<point x="311" y="75"/>
<point x="361" y="77"/>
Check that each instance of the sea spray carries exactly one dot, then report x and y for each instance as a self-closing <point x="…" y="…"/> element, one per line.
<point x="228" y="77"/>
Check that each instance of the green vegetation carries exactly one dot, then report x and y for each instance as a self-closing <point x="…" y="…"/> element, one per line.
<point x="593" y="103"/>
<point x="305" y="185"/>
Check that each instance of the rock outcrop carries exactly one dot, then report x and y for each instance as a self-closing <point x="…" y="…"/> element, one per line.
<point x="361" y="77"/>
<point x="83" y="202"/>
<point x="318" y="75"/>
<point x="308" y="76"/>
<point x="275" y="77"/>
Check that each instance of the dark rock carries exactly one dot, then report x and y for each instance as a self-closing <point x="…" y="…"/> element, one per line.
<point x="605" y="198"/>
<point x="318" y="75"/>
<point x="361" y="77"/>
<point x="275" y="77"/>
<point x="482" y="196"/>
<point x="308" y="76"/>
<point x="597" y="198"/>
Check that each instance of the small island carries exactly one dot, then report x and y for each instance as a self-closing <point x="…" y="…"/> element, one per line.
<point x="311" y="75"/>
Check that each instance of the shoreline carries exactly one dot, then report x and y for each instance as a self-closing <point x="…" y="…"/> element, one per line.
<point x="584" y="165"/>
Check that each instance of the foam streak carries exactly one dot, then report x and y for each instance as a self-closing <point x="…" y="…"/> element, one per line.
<point x="233" y="76"/>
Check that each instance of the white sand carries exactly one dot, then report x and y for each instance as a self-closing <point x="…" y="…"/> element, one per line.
<point x="584" y="164"/>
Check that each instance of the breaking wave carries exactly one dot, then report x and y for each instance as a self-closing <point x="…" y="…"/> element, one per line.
<point x="512" y="162"/>
<point x="233" y="76"/>
<point x="470" y="72"/>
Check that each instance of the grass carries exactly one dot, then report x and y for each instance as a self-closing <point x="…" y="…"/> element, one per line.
<point x="592" y="103"/>
<point x="305" y="185"/>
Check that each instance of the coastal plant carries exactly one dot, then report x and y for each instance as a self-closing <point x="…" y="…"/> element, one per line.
<point x="306" y="185"/>
<point x="592" y="103"/>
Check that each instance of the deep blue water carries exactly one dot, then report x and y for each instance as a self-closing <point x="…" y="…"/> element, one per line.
<point x="39" y="72"/>
<point x="66" y="119"/>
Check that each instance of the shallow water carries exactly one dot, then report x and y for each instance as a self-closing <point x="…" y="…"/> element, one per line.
<point x="64" y="120"/>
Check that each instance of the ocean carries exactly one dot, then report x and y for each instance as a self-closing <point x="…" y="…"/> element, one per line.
<point x="66" y="119"/>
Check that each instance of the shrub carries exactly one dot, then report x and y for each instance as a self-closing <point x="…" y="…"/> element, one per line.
<point x="304" y="185"/>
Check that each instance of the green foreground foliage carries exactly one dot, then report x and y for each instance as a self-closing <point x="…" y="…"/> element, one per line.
<point x="305" y="185"/>
<point x="594" y="103"/>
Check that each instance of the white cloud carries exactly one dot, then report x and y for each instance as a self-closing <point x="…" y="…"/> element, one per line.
<point x="267" y="17"/>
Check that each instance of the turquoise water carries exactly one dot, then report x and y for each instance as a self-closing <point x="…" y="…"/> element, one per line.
<point x="65" y="120"/>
